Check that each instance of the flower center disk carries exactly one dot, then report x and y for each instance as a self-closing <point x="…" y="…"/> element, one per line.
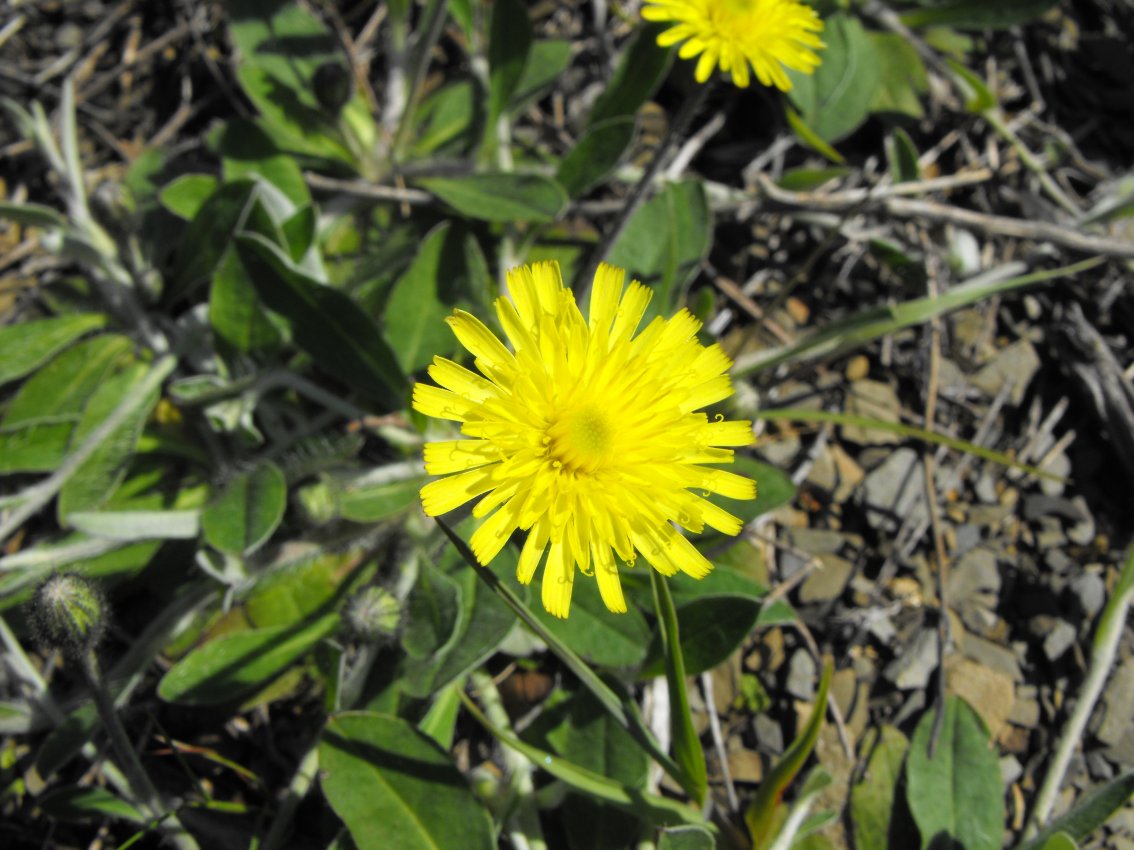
<point x="582" y="440"/>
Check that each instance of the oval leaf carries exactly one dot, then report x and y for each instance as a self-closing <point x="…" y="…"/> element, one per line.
<point x="503" y="196"/>
<point x="711" y="628"/>
<point x="247" y="511"/>
<point x="957" y="794"/>
<point x="28" y="344"/>
<point x="394" y="787"/>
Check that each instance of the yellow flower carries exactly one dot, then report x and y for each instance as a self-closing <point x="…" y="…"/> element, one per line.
<point x="586" y="437"/>
<point x="768" y="34"/>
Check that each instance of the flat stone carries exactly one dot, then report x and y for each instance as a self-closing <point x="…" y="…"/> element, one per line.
<point x="989" y="691"/>
<point x="1018" y="364"/>
<point x="974" y="589"/>
<point x="893" y="491"/>
<point x="1039" y="505"/>
<point x="987" y="515"/>
<point x="745" y="766"/>
<point x="1089" y="591"/>
<point x="1117" y="698"/>
<point x="1010" y="770"/>
<point x="875" y="400"/>
<point x="828" y="582"/>
<point x="817" y="541"/>
<point x="1082" y="532"/>
<point x="993" y="655"/>
<point x="824" y="475"/>
<point x="781" y="450"/>
<point x="769" y="735"/>
<point x="1060" y="639"/>
<point x="802" y="672"/>
<point x="1025" y="710"/>
<point x="1059" y="465"/>
<point x="912" y="669"/>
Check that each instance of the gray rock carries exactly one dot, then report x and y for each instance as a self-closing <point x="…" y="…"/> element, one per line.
<point x="1017" y="364"/>
<point x="913" y="668"/>
<point x="893" y="491"/>
<point x="1090" y="592"/>
<point x="968" y="536"/>
<point x="992" y="655"/>
<point x="985" y="489"/>
<point x="1117" y="699"/>
<point x="1010" y="770"/>
<point x="817" y="541"/>
<point x="1059" y="465"/>
<point x="1025" y="709"/>
<point x="1038" y="505"/>
<point x="875" y="400"/>
<point x="769" y="735"/>
<point x="1060" y="639"/>
<point x="827" y="582"/>
<point x="1082" y="532"/>
<point x="974" y="588"/>
<point x="802" y="671"/>
<point x="1058" y="562"/>
<point x="1099" y="766"/>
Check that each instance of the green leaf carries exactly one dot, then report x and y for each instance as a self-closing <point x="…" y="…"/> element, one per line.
<point x="236" y="312"/>
<point x="324" y="322"/>
<point x="656" y="808"/>
<point x="665" y="242"/>
<point x="602" y="638"/>
<point x="32" y="215"/>
<point x="185" y="196"/>
<point x="500" y="196"/>
<point x="96" y="478"/>
<point x="208" y="236"/>
<point x="244" y="514"/>
<point x="975" y="14"/>
<point x="1089" y="812"/>
<point x="808" y="179"/>
<point x="422" y="298"/>
<point x="595" y="155"/>
<point x="509" y="40"/>
<point x="446" y="120"/>
<point x="956" y="795"/>
<point x="433" y="609"/>
<point x="809" y="137"/>
<point x="73" y="803"/>
<point x="687" y="750"/>
<point x="247" y="151"/>
<point x="903" y="78"/>
<point x="1060" y="841"/>
<point x="978" y="96"/>
<point x="376" y="502"/>
<point x="280" y="47"/>
<point x="712" y="627"/>
<point x="440" y="722"/>
<point x="686" y="838"/>
<point x="903" y="157"/>
<point x="234" y="666"/>
<point x="137" y="525"/>
<point x="547" y="60"/>
<point x="394" y="787"/>
<point x="26" y="345"/>
<point x="835" y="100"/>
<point x="761" y="812"/>
<point x="873" y="795"/>
<point x="639" y="73"/>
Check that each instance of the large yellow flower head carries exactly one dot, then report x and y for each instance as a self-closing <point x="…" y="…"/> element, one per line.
<point x="769" y="35"/>
<point x="584" y="435"/>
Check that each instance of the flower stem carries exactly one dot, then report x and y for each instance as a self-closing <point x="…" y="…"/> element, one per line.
<point x="690" y="106"/>
<point x="143" y="789"/>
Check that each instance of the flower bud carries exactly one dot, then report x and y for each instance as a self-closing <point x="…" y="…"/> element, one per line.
<point x="333" y="86"/>
<point x="374" y="615"/>
<point x="69" y="614"/>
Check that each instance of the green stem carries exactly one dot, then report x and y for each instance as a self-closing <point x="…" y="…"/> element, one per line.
<point x="143" y="789"/>
<point x="1107" y="638"/>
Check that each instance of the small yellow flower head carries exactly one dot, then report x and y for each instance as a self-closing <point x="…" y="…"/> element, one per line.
<point x="584" y="435"/>
<point x="769" y="35"/>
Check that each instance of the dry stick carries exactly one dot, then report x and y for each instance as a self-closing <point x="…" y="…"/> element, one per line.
<point x="368" y="191"/>
<point x="930" y="465"/>
<point x="684" y="118"/>
<point x="1040" y="231"/>
<point x="718" y="740"/>
<point x="1107" y="638"/>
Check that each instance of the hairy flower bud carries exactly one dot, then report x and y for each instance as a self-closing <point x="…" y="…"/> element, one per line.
<point x="374" y="614"/>
<point x="69" y="614"/>
<point x="333" y="86"/>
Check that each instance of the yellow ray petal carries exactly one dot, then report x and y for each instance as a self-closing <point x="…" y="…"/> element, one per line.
<point x="558" y="579"/>
<point x="458" y="455"/>
<point x="532" y="553"/>
<point x="493" y="534"/>
<point x="606" y="574"/>
<point x="444" y="494"/>
<point x="477" y="338"/>
<point x="441" y="404"/>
